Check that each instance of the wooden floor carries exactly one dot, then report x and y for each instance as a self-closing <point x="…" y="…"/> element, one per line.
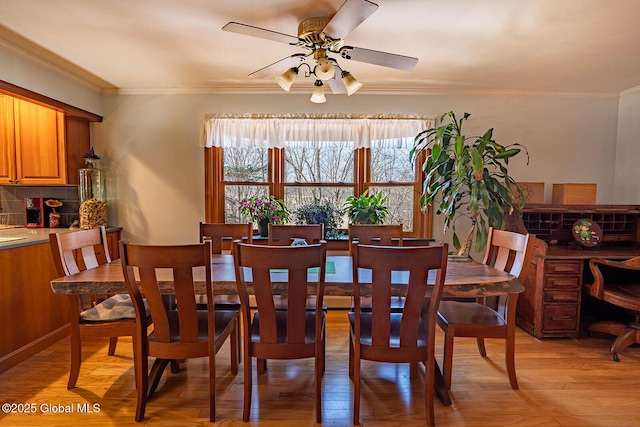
<point x="563" y="382"/>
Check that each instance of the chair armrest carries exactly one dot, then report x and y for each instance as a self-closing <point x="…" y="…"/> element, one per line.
<point x="597" y="288"/>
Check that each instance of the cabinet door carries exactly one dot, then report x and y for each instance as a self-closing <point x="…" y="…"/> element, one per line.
<point x="40" y="151"/>
<point x="7" y="141"/>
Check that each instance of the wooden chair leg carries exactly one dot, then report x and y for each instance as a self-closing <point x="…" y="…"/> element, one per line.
<point x="356" y="386"/>
<point x="510" y="361"/>
<point x="319" y="368"/>
<point x="141" y="366"/>
<point x="481" y="348"/>
<point x="447" y="365"/>
<point x="234" y="343"/>
<point x="76" y="356"/>
<point x="429" y="389"/>
<point x="113" y="342"/>
<point x="246" y="409"/>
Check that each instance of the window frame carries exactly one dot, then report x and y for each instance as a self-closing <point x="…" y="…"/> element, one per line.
<point x="215" y="185"/>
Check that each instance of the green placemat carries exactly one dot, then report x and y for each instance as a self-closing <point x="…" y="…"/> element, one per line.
<point x="330" y="268"/>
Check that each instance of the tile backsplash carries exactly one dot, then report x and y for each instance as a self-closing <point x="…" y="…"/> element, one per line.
<point x="12" y="201"/>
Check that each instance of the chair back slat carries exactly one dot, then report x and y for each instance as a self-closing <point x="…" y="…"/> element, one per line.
<point x="287" y="265"/>
<point x="218" y="232"/>
<point x="181" y="260"/>
<point x="76" y="251"/>
<point x="509" y="251"/>
<point x="283" y="234"/>
<point x="412" y="263"/>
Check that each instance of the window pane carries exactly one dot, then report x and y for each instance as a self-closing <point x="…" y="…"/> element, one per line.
<point x="391" y="165"/>
<point x="399" y="203"/>
<point x="294" y="197"/>
<point x="333" y="163"/>
<point x="233" y="194"/>
<point x="246" y="164"/>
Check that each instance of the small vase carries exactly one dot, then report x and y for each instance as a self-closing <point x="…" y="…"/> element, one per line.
<point x="263" y="227"/>
<point x="54" y="220"/>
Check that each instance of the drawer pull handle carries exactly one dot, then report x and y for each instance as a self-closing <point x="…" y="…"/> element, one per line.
<point x="561" y="317"/>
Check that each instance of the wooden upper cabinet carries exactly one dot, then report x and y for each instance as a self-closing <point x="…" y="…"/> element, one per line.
<point x="7" y="138"/>
<point x="40" y="154"/>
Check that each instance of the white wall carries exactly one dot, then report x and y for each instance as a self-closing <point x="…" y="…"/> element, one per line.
<point x="627" y="166"/>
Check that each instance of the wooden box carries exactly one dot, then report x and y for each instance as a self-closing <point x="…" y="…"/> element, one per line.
<point x="533" y="191"/>
<point x="574" y="194"/>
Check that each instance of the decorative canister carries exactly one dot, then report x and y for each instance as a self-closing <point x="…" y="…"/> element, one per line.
<point x="92" y="193"/>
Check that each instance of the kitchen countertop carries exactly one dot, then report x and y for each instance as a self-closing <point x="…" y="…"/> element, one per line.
<point x="31" y="236"/>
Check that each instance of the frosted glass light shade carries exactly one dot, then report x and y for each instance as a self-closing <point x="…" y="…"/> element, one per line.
<point x="285" y="80"/>
<point x="350" y="83"/>
<point x="324" y="69"/>
<point x="318" y="93"/>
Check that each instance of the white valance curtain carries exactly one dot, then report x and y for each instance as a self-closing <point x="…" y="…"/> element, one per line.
<point x="279" y="131"/>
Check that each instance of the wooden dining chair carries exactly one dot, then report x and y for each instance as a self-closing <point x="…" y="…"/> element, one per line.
<point x="98" y="316"/>
<point x="180" y="331"/>
<point x="508" y="251"/>
<point x="283" y="234"/>
<point x="221" y="236"/>
<point x="375" y="234"/>
<point x="381" y="334"/>
<point x="294" y="333"/>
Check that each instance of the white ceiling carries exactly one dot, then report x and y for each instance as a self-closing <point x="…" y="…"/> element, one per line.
<point x="583" y="47"/>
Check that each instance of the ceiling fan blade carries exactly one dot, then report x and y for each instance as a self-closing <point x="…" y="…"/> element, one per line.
<point x="250" y="30"/>
<point x="279" y="66"/>
<point x="376" y="57"/>
<point x="351" y="14"/>
<point x="336" y="85"/>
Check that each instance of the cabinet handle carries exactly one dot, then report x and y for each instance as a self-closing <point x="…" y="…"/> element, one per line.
<point x="561" y="317"/>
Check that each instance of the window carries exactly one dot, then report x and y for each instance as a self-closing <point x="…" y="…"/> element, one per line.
<point x="328" y="164"/>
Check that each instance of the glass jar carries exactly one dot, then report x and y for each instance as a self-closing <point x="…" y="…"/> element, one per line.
<point x="92" y="194"/>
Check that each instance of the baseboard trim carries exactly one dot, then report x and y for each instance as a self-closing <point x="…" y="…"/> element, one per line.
<point x="23" y="353"/>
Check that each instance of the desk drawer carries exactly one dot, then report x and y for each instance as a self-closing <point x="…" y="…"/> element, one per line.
<point x="562" y="297"/>
<point x="562" y="282"/>
<point x="559" y="318"/>
<point x="563" y="267"/>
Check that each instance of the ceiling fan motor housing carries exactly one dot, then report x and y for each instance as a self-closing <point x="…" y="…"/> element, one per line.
<point x="310" y="30"/>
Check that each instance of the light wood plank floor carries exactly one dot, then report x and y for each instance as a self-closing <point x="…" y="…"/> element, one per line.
<point x="563" y="382"/>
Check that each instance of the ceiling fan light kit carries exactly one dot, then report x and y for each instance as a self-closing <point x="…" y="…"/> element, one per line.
<point x="322" y="36"/>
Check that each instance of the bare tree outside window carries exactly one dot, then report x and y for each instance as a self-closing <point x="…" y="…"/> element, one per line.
<point x="393" y="166"/>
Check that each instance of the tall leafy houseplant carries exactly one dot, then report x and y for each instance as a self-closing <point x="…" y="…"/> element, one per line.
<point x="469" y="176"/>
<point x="366" y="209"/>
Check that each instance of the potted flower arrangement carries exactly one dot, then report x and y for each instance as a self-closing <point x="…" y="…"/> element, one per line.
<point x="54" y="217"/>
<point x="264" y="210"/>
<point x="318" y="212"/>
<point x="366" y="209"/>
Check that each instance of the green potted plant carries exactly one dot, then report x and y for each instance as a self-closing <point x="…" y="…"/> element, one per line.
<point x="366" y="209"/>
<point x="318" y="212"/>
<point x="469" y="176"/>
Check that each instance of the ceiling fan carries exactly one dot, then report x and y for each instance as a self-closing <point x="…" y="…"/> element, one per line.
<point x="322" y="37"/>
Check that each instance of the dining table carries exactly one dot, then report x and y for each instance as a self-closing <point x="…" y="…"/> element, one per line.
<point x="465" y="278"/>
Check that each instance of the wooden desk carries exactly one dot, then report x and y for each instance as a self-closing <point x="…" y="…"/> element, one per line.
<point x="463" y="279"/>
